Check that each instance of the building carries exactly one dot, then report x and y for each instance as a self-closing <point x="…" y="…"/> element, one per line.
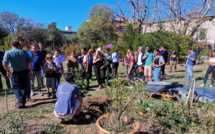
<point x="204" y="37"/>
<point x="120" y="24"/>
<point x="68" y="31"/>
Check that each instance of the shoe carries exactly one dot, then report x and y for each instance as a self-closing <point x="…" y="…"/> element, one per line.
<point x="32" y="93"/>
<point x="202" y="85"/>
<point x="170" y="71"/>
<point x="30" y="100"/>
<point x="211" y="86"/>
<point x="48" y="95"/>
<point x="43" y="86"/>
<point x="41" y="94"/>
<point x="19" y="105"/>
<point x="100" y="87"/>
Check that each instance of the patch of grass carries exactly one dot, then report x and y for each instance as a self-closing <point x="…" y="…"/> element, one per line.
<point x="52" y="128"/>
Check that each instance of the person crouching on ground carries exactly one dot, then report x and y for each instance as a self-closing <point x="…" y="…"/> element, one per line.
<point x="50" y="69"/>
<point x="69" y="100"/>
<point x="158" y="62"/>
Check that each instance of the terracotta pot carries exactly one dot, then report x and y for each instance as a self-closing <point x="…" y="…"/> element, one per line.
<point x="103" y="131"/>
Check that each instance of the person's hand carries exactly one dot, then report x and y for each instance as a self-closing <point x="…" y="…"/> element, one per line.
<point x="9" y="74"/>
<point x="101" y="67"/>
<point x="157" y="65"/>
<point x="187" y="57"/>
<point x="30" y="73"/>
<point x="129" y="72"/>
<point x="98" y="59"/>
<point x="86" y="70"/>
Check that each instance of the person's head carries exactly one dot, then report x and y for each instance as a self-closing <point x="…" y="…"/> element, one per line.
<point x="157" y="52"/>
<point x="90" y="51"/>
<point x="49" y="57"/>
<point x="116" y="50"/>
<point x="73" y="53"/>
<point x="57" y="52"/>
<point x="14" y="43"/>
<point x="128" y="52"/>
<point x="131" y="53"/>
<point x="34" y="48"/>
<point x="213" y="53"/>
<point x="69" y="77"/>
<point x="20" y="45"/>
<point x="163" y="47"/>
<point x="174" y="51"/>
<point x="140" y="49"/>
<point x="40" y="46"/>
<point x="107" y="50"/>
<point x="149" y="48"/>
<point x="135" y="53"/>
<point x="99" y="51"/>
<point x="189" y="50"/>
<point x="83" y="50"/>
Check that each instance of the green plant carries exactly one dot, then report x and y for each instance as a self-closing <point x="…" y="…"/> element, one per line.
<point x="121" y="97"/>
<point x="71" y="47"/>
<point x="52" y="128"/>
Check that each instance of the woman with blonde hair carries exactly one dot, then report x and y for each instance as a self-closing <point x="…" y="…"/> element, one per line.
<point x="126" y="62"/>
<point x="50" y="69"/>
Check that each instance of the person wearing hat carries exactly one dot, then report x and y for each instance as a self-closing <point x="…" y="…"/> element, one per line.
<point x="115" y="60"/>
<point x="99" y="61"/>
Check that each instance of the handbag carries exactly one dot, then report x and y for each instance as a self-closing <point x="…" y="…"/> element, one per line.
<point x="140" y="69"/>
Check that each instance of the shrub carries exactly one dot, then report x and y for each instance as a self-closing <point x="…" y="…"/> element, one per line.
<point x="71" y="47"/>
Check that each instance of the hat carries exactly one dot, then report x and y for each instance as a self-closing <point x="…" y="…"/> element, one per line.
<point x="99" y="50"/>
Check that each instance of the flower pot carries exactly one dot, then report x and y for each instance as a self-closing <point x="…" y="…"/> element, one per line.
<point x="103" y="131"/>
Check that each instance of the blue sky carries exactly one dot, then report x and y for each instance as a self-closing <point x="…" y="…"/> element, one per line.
<point x="63" y="12"/>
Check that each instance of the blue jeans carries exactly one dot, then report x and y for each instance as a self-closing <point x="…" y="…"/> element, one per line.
<point x="138" y="74"/>
<point x="19" y="86"/>
<point x="189" y="70"/>
<point x="57" y="80"/>
<point x="156" y="73"/>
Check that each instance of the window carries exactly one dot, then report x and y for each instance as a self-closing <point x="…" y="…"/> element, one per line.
<point x="202" y="34"/>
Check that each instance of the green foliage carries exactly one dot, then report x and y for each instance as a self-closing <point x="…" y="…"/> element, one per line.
<point x="121" y="97"/>
<point x="6" y="46"/>
<point x="71" y="47"/>
<point x="54" y="35"/>
<point x="52" y="128"/>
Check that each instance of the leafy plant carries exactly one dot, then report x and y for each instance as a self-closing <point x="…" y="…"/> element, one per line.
<point x="51" y="128"/>
<point x="121" y="97"/>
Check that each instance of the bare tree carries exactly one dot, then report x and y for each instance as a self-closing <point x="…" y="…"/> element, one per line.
<point x="138" y="12"/>
<point x="186" y="16"/>
<point x="9" y="20"/>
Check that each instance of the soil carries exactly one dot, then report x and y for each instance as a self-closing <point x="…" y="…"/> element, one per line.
<point x="33" y="126"/>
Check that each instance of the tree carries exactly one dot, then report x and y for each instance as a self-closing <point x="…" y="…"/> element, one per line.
<point x="72" y="38"/>
<point x="138" y="12"/>
<point x="9" y="20"/>
<point x="3" y="32"/>
<point x="186" y="16"/>
<point x="104" y="11"/>
<point x="53" y="34"/>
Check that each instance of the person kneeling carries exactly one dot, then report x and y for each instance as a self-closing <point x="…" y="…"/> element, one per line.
<point x="69" y="100"/>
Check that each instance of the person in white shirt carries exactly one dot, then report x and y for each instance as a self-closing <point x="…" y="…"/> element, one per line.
<point x="140" y="62"/>
<point x="115" y="60"/>
<point x="58" y="60"/>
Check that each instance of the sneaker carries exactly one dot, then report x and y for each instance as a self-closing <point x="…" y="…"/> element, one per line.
<point x="100" y="87"/>
<point x="202" y="85"/>
<point x="211" y="86"/>
<point x="40" y="93"/>
<point x="30" y="100"/>
<point x="19" y="105"/>
<point x="48" y="95"/>
<point x="32" y="93"/>
<point x="170" y="71"/>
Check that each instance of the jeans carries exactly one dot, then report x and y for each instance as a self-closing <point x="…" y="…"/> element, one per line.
<point x="211" y="69"/>
<point x="19" y="86"/>
<point x="131" y="76"/>
<point x="4" y="73"/>
<point x="108" y="71"/>
<point x="115" y="68"/>
<point x="88" y="75"/>
<point x="37" y="74"/>
<point x="189" y="70"/>
<point x="156" y="73"/>
<point x="139" y="75"/>
<point x="126" y="70"/>
<point x="57" y="80"/>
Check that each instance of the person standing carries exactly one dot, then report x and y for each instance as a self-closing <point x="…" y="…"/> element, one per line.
<point x="211" y="69"/>
<point x="99" y="61"/>
<point x="131" y="71"/>
<point x="4" y="73"/>
<point x="50" y="69"/>
<point x="37" y="63"/>
<point x="19" y="61"/>
<point x="80" y="59"/>
<point x="173" y="60"/>
<point x="72" y="61"/>
<point x="165" y="54"/>
<point x="140" y="62"/>
<point x="59" y="64"/>
<point x="190" y="63"/>
<point x="126" y="62"/>
<point x="149" y="56"/>
<point x="44" y="52"/>
<point x="158" y="62"/>
<point x="115" y="60"/>
<point x="108" y="64"/>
